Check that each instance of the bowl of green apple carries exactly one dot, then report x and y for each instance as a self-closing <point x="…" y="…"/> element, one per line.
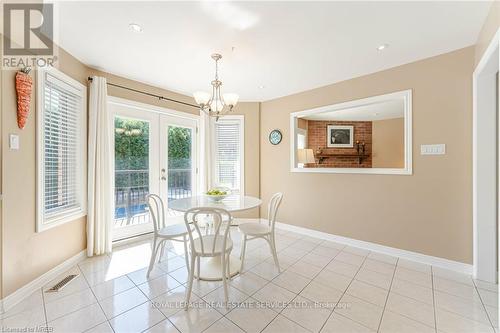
<point x="217" y="194"/>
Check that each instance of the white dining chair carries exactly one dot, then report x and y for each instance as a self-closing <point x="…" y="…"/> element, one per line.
<point x="214" y="244"/>
<point x="162" y="233"/>
<point x="255" y="230"/>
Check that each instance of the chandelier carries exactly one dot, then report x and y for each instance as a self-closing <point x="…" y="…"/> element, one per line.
<point x="216" y="105"/>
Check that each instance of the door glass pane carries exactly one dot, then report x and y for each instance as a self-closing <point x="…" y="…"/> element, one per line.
<point x="131" y="171"/>
<point x="180" y="166"/>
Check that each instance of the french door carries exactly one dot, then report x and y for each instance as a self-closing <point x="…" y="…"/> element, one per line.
<point x="178" y="162"/>
<point x="154" y="152"/>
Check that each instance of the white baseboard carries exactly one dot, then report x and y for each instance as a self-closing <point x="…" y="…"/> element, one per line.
<point x="26" y="290"/>
<point x="409" y="255"/>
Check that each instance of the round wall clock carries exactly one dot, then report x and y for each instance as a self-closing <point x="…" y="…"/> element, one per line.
<point x="275" y="137"/>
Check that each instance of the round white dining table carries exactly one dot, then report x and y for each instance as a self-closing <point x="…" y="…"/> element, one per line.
<point x="211" y="268"/>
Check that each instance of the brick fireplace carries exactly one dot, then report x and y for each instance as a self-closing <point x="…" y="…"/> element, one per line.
<point x="317" y="138"/>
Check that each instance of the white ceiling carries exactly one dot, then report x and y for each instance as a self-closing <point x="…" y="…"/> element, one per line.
<point x="371" y="112"/>
<point x="279" y="47"/>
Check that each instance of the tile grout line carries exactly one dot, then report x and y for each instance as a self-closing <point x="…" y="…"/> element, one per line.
<point x="44" y="309"/>
<point x="296" y="294"/>
<point x="388" y="294"/>
<point x="345" y="291"/>
<point x="161" y="321"/>
<point x="270" y="281"/>
<point x="433" y="300"/>
<point x="100" y="306"/>
<point x="208" y="306"/>
<point x="311" y="280"/>
<point x="249" y="296"/>
<point x="148" y="300"/>
<point x="460" y="297"/>
<point x="484" y="306"/>
<point x="180" y="284"/>
<point x="71" y="294"/>
<point x="463" y="299"/>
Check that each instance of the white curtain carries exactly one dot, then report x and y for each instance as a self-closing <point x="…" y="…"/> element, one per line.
<point x="100" y="175"/>
<point x="207" y="156"/>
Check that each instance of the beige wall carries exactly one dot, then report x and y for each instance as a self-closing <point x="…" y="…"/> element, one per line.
<point x="251" y="111"/>
<point x="27" y="254"/>
<point x="418" y="222"/>
<point x="430" y="211"/>
<point x="133" y="96"/>
<point x="388" y="143"/>
<point x="490" y="27"/>
<point x="302" y="123"/>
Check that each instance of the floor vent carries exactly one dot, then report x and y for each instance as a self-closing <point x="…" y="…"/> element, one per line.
<point x="63" y="283"/>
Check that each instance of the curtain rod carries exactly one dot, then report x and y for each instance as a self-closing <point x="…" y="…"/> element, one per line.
<point x="149" y="94"/>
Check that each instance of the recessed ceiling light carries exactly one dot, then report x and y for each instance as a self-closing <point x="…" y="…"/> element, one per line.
<point x="382" y="47"/>
<point x="135" y="27"/>
<point x="262" y="86"/>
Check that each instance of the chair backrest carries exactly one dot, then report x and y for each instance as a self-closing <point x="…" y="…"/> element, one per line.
<point x="272" y="209"/>
<point x="198" y="217"/>
<point x="157" y="211"/>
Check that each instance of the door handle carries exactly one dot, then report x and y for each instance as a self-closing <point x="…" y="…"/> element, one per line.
<point x="163" y="175"/>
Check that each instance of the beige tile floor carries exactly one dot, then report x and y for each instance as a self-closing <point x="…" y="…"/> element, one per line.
<point x="323" y="287"/>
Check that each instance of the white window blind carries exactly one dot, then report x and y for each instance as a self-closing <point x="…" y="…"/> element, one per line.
<point x="61" y="166"/>
<point x="228" y="153"/>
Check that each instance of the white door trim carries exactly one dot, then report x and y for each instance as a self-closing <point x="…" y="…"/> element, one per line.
<point x="485" y="134"/>
<point x="159" y="118"/>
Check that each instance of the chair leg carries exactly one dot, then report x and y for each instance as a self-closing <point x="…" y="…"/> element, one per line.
<point x="242" y="256"/>
<point x="273" y="250"/>
<point x="190" y="281"/>
<point x="198" y="268"/>
<point x="224" y="277"/>
<point x="153" y="257"/>
<point x="228" y="269"/>
<point x="186" y="254"/>
<point x="162" y="250"/>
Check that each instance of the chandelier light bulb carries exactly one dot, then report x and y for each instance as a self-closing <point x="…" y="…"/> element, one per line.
<point x="201" y="97"/>
<point x="216" y="104"/>
<point x="231" y="99"/>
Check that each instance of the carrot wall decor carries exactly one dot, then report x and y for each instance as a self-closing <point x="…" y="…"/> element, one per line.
<point x="24" y="84"/>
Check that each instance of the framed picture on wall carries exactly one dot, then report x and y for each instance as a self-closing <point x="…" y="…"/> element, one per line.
<point x="340" y="136"/>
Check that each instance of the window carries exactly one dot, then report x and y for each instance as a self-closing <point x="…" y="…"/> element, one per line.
<point x="301" y="142"/>
<point x="301" y="138"/>
<point x="229" y="153"/>
<point x="61" y="135"/>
